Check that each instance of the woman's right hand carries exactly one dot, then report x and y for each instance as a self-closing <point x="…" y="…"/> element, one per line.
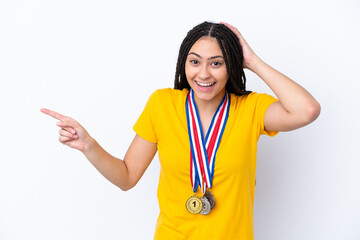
<point x="72" y="133"/>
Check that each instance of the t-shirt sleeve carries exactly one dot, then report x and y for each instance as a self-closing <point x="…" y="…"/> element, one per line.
<point x="145" y="125"/>
<point x="263" y="101"/>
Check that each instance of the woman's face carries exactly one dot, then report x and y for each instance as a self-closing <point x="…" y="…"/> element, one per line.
<point x="205" y="70"/>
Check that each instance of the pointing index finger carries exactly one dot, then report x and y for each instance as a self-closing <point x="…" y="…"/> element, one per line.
<point x="53" y="113"/>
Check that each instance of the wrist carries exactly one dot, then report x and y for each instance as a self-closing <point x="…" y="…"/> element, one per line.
<point x="88" y="146"/>
<point x="255" y="64"/>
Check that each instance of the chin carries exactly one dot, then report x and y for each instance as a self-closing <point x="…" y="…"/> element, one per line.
<point x="206" y="96"/>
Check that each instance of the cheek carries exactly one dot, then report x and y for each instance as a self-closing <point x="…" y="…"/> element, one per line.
<point x="188" y="72"/>
<point x="223" y="76"/>
<point x="226" y="77"/>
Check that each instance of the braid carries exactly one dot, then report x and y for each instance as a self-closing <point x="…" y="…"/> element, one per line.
<point x="230" y="48"/>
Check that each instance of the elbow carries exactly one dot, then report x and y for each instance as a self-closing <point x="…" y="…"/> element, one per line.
<point x="125" y="182"/>
<point x="125" y="187"/>
<point x="312" y="113"/>
<point x="315" y="110"/>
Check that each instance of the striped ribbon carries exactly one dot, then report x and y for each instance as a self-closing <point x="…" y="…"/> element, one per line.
<point x="203" y="150"/>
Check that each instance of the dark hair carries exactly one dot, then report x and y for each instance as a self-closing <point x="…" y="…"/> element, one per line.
<point x="230" y="48"/>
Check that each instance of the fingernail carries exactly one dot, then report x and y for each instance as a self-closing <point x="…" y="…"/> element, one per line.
<point x="58" y="123"/>
<point x="73" y="131"/>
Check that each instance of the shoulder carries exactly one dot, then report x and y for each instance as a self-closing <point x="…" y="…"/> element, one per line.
<point x="252" y="98"/>
<point x="167" y="102"/>
<point x="166" y="95"/>
<point x="251" y="103"/>
<point x="170" y="92"/>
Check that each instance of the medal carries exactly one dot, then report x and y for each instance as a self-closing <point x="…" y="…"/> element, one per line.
<point x="194" y="204"/>
<point x="206" y="206"/>
<point x="203" y="151"/>
<point x="211" y="199"/>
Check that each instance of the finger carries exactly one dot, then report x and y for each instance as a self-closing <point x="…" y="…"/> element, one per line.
<point x="69" y="129"/>
<point x="66" y="123"/>
<point x="66" y="133"/>
<point x="63" y="139"/>
<point x="232" y="28"/>
<point x="228" y="25"/>
<point x="237" y="33"/>
<point x="225" y="23"/>
<point x="53" y="113"/>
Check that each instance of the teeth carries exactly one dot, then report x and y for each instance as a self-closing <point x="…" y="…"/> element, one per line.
<point x="205" y="84"/>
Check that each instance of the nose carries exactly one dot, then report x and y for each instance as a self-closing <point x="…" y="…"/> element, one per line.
<point x="204" y="72"/>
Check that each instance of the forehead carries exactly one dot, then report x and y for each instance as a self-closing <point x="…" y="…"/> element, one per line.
<point x="206" y="47"/>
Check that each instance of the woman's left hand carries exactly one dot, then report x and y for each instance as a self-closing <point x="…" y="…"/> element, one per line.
<point x="248" y="53"/>
<point x="286" y="114"/>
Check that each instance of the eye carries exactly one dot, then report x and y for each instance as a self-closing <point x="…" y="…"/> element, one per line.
<point x="217" y="64"/>
<point x="194" y="62"/>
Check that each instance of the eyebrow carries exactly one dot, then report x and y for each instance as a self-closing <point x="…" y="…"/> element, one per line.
<point x="210" y="58"/>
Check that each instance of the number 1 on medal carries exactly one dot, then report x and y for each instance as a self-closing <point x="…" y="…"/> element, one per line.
<point x="194" y="204"/>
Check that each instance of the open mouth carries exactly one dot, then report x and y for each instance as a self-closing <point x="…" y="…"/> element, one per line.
<point x="205" y="84"/>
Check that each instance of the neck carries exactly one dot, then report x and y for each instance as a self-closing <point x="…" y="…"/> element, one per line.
<point x="208" y="106"/>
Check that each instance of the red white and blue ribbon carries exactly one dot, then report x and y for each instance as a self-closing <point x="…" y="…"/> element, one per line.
<point x="204" y="149"/>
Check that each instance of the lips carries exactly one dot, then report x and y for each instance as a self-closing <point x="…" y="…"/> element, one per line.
<point x="205" y="84"/>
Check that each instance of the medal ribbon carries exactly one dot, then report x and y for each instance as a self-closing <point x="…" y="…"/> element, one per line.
<point x="203" y="150"/>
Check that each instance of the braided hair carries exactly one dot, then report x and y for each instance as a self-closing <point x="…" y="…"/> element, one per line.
<point x="230" y="48"/>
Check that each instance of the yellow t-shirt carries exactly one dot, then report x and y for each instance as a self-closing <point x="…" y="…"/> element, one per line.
<point x="163" y="121"/>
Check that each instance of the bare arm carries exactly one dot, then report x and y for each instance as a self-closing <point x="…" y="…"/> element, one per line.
<point x="123" y="173"/>
<point x="296" y="107"/>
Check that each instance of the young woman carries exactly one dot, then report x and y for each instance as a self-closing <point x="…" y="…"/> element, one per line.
<point x="206" y="131"/>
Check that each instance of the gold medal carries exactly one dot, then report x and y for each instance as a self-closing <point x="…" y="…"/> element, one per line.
<point x="194" y="204"/>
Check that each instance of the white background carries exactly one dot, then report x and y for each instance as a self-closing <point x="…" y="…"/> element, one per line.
<point x="99" y="61"/>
